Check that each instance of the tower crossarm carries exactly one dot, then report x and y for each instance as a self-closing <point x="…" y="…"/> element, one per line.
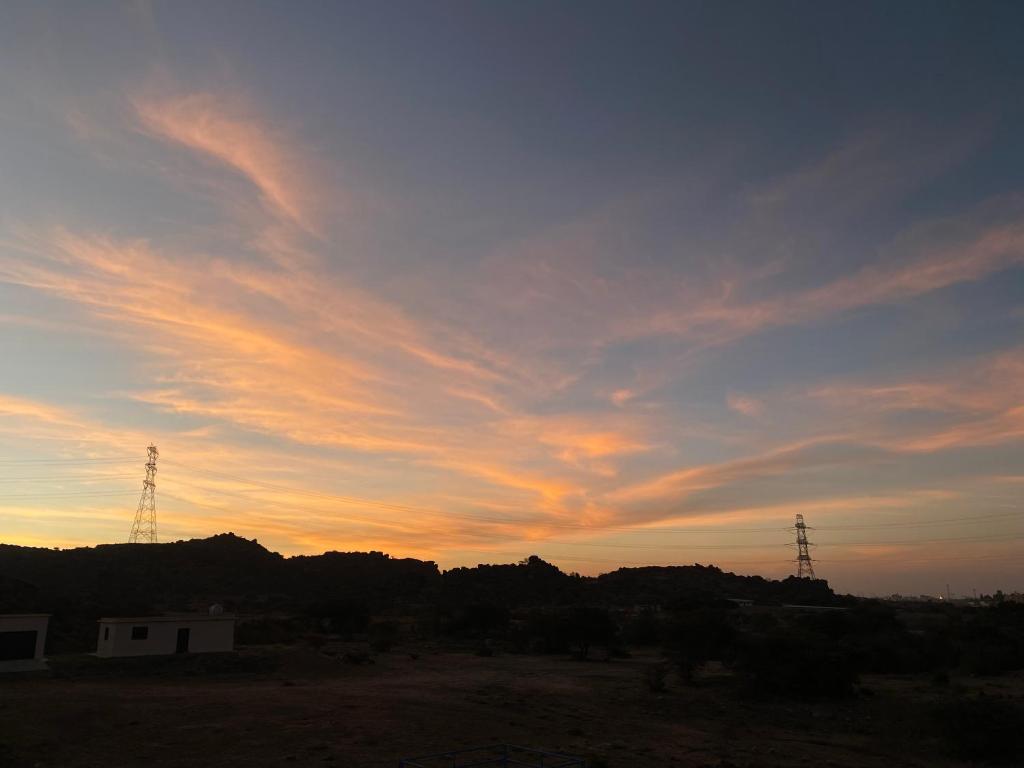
<point x="144" y="527"/>
<point x="804" y="564"/>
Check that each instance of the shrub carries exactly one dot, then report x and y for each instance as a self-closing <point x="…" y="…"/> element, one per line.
<point x="481" y="619"/>
<point x="545" y="631"/>
<point x="484" y="648"/>
<point x="383" y="635"/>
<point x="983" y="729"/>
<point x="589" y="625"/>
<point x="698" y="636"/>
<point x="643" y="628"/>
<point x="656" y="675"/>
<point x="268" y="631"/>
<point x="344" y="615"/>
<point x="787" y="665"/>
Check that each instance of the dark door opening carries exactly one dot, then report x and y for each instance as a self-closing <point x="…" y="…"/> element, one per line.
<point x="17" y="645"/>
<point x="182" y="646"/>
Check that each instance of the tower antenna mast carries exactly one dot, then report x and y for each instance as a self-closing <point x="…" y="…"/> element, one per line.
<point x="144" y="527"/>
<point x="804" y="566"/>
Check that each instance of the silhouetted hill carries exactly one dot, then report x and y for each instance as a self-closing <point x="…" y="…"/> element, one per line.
<point x="666" y="585"/>
<point x="528" y="583"/>
<point x="374" y="577"/>
<point x="79" y="585"/>
<point x="154" y="576"/>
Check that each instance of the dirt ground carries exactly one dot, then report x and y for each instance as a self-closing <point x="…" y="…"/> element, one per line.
<point x="313" y="710"/>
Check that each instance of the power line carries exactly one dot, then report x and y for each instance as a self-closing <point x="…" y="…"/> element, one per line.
<point x="961" y="539"/>
<point x="63" y="478"/>
<point x="625" y="529"/>
<point x="31" y="496"/>
<point x="264" y="503"/>
<point x="354" y="500"/>
<point x="581" y="528"/>
<point x="567" y="526"/>
<point x="553" y="558"/>
<point x="764" y="546"/>
<point x="921" y="524"/>
<point x="480" y="518"/>
<point x="81" y="460"/>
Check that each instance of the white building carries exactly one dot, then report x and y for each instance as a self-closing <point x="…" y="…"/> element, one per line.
<point x="160" y="635"/>
<point x="22" y="641"/>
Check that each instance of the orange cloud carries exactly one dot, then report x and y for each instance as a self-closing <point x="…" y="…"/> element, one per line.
<point x="744" y="404"/>
<point x="372" y="384"/>
<point x="21" y="407"/>
<point x="980" y="400"/>
<point x="275" y="343"/>
<point x="219" y="129"/>
<point x="921" y="262"/>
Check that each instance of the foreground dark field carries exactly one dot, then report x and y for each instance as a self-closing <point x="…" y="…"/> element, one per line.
<point x="299" y="707"/>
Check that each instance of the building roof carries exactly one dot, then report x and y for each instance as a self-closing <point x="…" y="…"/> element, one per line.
<point x="178" y="617"/>
<point x="814" y="607"/>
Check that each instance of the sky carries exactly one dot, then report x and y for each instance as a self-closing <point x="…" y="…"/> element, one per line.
<point x="611" y="283"/>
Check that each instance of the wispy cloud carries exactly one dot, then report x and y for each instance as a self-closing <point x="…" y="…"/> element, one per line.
<point x="800" y="456"/>
<point x="748" y="406"/>
<point x="977" y="402"/>
<point x="220" y="129"/>
<point x="974" y="404"/>
<point x="919" y="263"/>
<point x="495" y="418"/>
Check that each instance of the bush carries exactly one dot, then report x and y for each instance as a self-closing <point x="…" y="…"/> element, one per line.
<point x="983" y="729"/>
<point x="316" y="641"/>
<point x="590" y="625"/>
<point x="484" y="649"/>
<point x="698" y="636"/>
<point x="543" y="631"/>
<point x="268" y="631"/>
<point x="656" y="675"/>
<point x="383" y="635"/>
<point x="643" y="628"/>
<point x="786" y="665"/>
<point x="480" y="619"/>
<point x="345" y="616"/>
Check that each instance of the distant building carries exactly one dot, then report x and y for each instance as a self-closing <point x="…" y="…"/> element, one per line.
<point x="812" y="608"/>
<point x="164" y="635"/>
<point x="23" y="641"/>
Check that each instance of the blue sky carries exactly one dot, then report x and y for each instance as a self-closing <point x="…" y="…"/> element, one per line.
<point x="612" y="283"/>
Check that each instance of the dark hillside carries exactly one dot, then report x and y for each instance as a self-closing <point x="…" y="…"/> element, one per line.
<point x="79" y="585"/>
<point x="665" y="585"/>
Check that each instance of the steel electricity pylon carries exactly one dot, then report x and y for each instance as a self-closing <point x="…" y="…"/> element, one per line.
<point x="144" y="527"/>
<point x="804" y="566"/>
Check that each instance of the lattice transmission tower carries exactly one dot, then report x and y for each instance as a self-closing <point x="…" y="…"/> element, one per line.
<point x="804" y="565"/>
<point x="144" y="527"/>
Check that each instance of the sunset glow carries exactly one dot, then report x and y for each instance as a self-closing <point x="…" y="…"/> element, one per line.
<point x="443" y="297"/>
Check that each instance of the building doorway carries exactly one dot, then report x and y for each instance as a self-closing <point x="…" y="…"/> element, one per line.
<point x="17" y="645"/>
<point x="182" y="646"/>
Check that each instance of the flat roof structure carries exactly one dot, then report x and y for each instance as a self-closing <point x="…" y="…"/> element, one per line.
<point x="174" y="617"/>
<point x="23" y="641"/>
<point x="165" y="635"/>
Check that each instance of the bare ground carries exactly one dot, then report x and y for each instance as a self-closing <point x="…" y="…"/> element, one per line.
<point x="312" y="710"/>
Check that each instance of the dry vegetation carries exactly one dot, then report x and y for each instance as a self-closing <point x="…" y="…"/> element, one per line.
<point x="300" y="706"/>
<point x="358" y="659"/>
